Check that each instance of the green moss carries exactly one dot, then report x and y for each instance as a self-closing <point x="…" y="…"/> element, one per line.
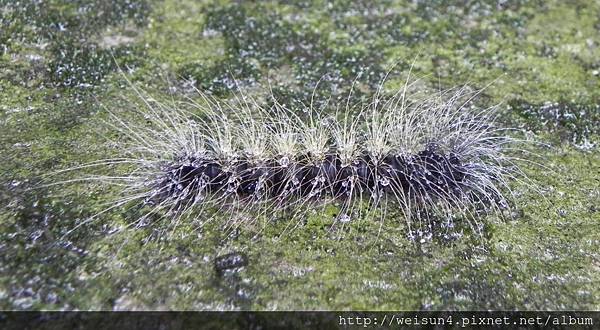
<point x="542" y="57"/>
<point x="573" y="122"/>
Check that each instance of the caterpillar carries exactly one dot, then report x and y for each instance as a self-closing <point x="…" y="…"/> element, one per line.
<point x="428" y="157"/>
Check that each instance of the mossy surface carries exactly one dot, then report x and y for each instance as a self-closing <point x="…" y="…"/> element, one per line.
<point x="59" y="73"/>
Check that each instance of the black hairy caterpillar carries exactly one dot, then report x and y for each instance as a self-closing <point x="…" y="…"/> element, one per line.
<point x="426" y="155"/>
